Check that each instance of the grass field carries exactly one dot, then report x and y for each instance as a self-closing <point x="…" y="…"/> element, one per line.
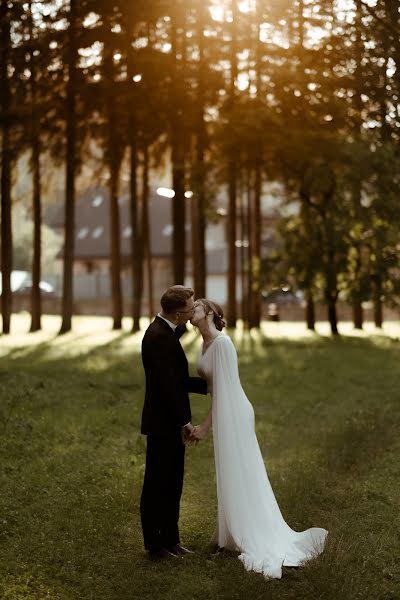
<point x="72" y="462"/>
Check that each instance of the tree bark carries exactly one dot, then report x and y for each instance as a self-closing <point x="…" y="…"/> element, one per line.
<point x="6" y="163"/>
<point x="178" y="178"/>
<point x="378" y="311"/>
<point x="198" y="199"/>
<point x="250" y="242"/>
<point x="36" y="307"/>
<point x="243" y="258"/>
<point x="310" y="310"/>
<point x="358" y="313"/>
<point x="136" y="241"/>
<point x="115" y="266"/>
<point x="113" y="155"/>
<point x="136" y="246"/>
<point x="232" y="186"/>
<point x="70" y="170"/>
<point x="36" y="300"/>
<point x="256" y="249"/>
<point x="146" y="230"/>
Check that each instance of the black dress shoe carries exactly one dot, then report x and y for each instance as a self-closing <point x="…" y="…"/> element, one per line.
<point x="162" y="554"/>
<point x="179" y="550"/>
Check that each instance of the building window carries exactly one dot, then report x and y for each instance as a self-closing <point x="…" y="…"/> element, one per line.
<point x="97" y="201"/>
<point x="82" y="233"/>
<point x="98" y="232"/>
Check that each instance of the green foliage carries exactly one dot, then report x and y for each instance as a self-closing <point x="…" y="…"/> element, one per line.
<point x="22" y="241"/>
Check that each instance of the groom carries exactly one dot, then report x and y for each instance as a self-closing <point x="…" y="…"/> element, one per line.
<point x="166" y="420"/>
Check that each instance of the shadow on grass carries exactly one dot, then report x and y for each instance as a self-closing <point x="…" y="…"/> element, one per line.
<point x="73" y="479"/>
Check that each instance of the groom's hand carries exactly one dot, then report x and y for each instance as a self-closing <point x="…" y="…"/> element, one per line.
<point x="187" y="433"/>
<point x="199" y="433"/>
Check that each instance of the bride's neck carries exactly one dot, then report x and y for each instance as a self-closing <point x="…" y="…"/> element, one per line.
<point x="208" y="331"/>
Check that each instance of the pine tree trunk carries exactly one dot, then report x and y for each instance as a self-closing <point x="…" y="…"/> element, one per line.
<point x="146" y="230"/>
<point x="115" y="266"/>
<point x="136" y="246"/>
<point x="378" y="311"/>
<point x="250" y="241"/>
<point x="256" y="261"/>
<point x="136" y="238"/>
<point x="178" y="179"/>
<point x="199" y="199"/>
<point x="36" y="304"/>
<point x="113" y="156"/>
<point x="310" y="310"/>
<point x="6" y="163"/>
<point x="256" y="250"/>
<point x="36" y="307"/>
<point x="232" y="186"/>
<point x="243" y="258"/>
<point x="69" y="222"/>
<point x="332" y="316"/>
<point x="178" y="212"/>
<point x="358" y="316"/>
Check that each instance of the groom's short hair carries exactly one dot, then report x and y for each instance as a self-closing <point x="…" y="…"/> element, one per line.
<point x="175" y="297"/>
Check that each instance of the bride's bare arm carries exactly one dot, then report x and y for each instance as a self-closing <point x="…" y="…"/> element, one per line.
<point x="201" y="431"/>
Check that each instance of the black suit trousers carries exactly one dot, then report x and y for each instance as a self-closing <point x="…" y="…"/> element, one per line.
<point x="162" y="490"/>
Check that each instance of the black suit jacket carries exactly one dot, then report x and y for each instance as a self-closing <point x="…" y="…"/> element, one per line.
<point x="166" y="404"/>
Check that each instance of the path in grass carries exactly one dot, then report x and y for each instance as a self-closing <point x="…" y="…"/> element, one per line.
<point x="327" y="415"/>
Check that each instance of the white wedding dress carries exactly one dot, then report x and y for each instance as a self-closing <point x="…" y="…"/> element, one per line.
<point x="249" y="518"/>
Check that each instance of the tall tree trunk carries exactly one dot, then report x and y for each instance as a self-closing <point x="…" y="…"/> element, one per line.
<point x="331" y="291"/>
<point x="232" y="184"/>
<point x="70" y="170"/>
<point x="6" y="163"/>
<point x="178" y="175"/>
<point x="310" y="310"/>
<point x="36" y="308"/>
<point x="332" y="315"/>
<point x="256" y="250"/>
<point x="36" y="304"/>
<point x="136" y="246"/>
<point x="115" y="230"/>
<point x="250" y="242"/>
<point x="255" y="318"/>
<point x="136" y="238"/>
<point x="243" y="258"/>
<point x="377" y="298"/>
<point x="198" y="199"/>
<point x="331" y="288"/>
<point x="113" y="155"/>
<point x="146" y="230"/>
<point x="358" y="313"/>
<point x="357" y="184"/>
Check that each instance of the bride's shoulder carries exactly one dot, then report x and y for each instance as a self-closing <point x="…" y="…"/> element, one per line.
<point x="224" y="339"/>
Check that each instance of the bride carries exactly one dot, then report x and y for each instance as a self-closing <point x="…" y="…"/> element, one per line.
<point x="249" y="518"/>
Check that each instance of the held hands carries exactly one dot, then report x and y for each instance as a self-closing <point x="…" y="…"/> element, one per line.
<point x="192" y="435"/>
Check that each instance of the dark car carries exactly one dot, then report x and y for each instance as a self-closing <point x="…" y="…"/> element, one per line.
<point x="282" y="296"/>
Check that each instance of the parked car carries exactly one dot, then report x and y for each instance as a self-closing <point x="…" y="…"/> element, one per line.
<point x="282" y="296"/>
<point x="46" y="289"/>
<point x="21" y="284"/>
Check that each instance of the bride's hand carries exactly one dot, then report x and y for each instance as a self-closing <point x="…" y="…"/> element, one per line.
<point x="200" y="433"/>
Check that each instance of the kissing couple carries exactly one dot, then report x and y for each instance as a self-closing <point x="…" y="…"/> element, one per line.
<point x="249" y="519"/>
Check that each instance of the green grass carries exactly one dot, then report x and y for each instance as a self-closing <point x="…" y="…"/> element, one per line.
<point x="72" y="462"/>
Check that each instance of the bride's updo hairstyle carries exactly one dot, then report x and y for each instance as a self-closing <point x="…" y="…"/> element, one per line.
<point x="215" y="309"/>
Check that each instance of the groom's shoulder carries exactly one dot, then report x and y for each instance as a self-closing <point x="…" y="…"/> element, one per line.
<point x="156" y="330"/>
